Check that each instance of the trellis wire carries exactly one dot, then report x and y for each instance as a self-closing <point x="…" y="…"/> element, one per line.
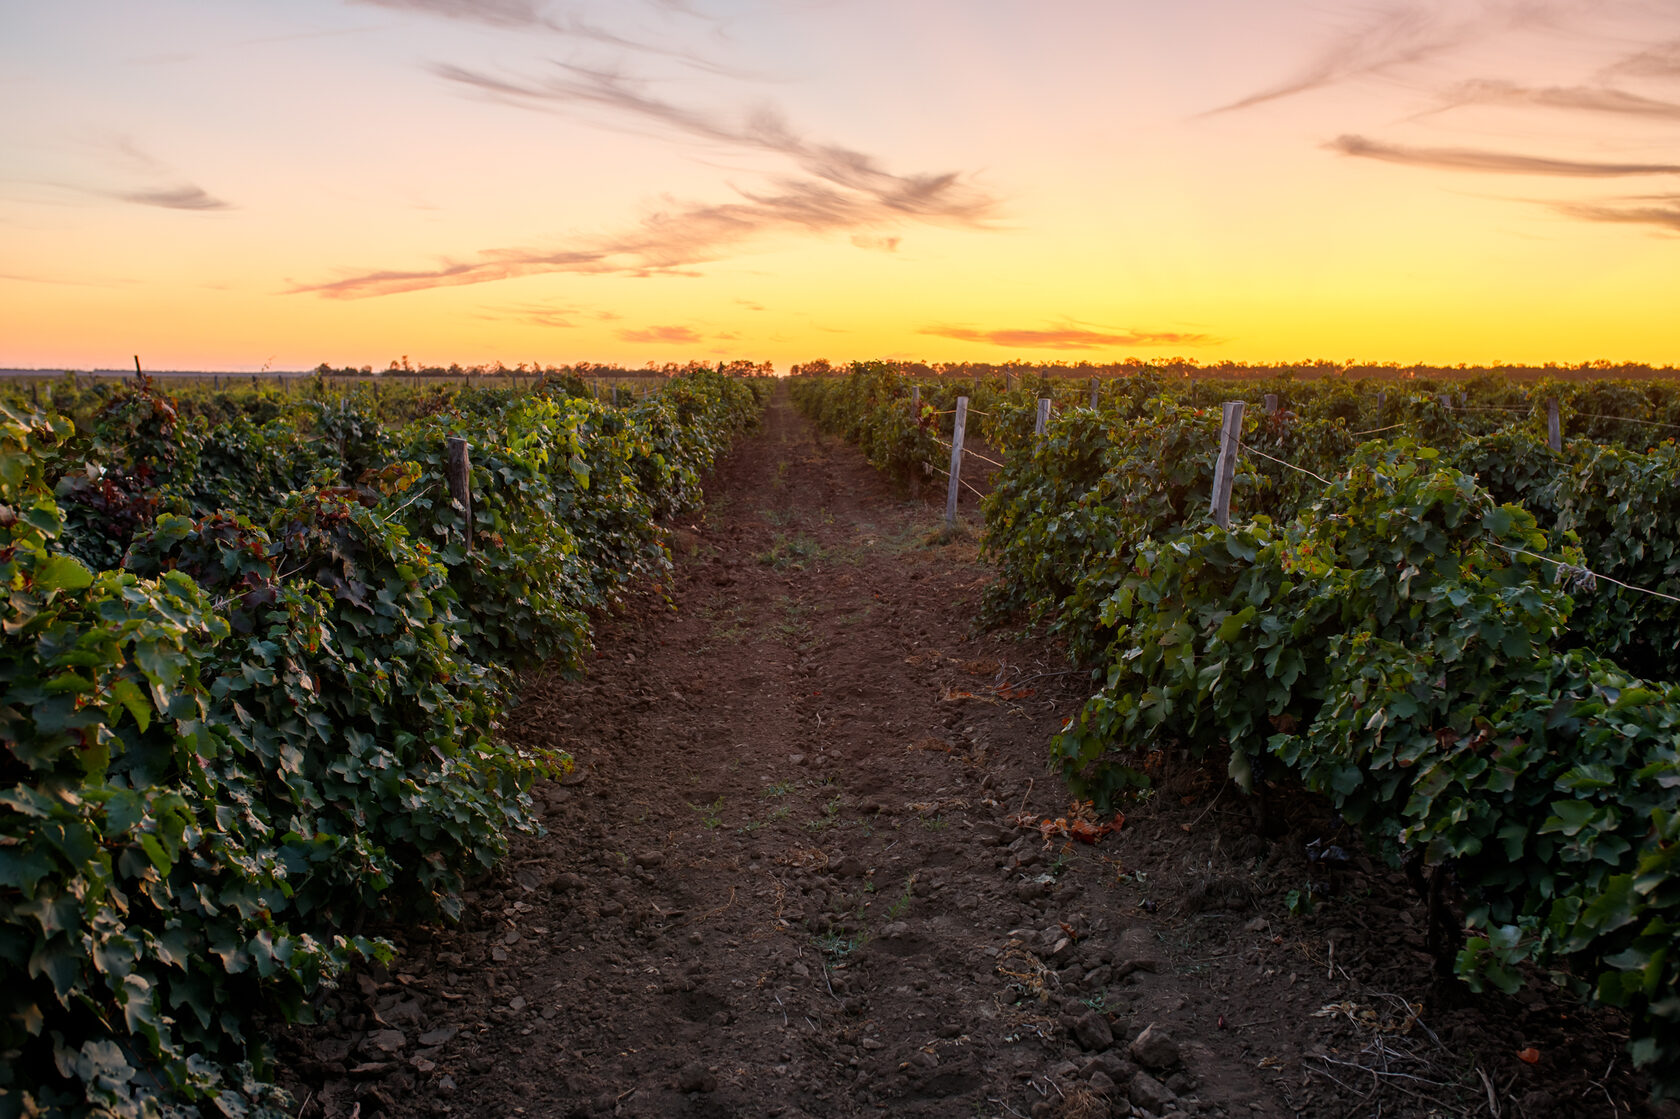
<point x="1579" y="567"/>
<point x="1585" y="570"/>
<point x="1281" y="462"/>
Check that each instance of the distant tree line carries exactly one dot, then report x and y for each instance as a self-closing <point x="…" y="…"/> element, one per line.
<point x="1193" y="367"/>
<point x="404" y="367"/>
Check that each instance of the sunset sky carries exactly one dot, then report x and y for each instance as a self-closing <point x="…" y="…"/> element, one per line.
<point x="233" y="184"/>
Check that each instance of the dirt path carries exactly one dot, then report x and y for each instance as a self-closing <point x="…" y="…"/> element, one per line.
<point x="785" y="880"/>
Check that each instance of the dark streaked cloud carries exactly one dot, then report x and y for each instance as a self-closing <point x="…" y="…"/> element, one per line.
<point x="494" y="13"/>
<point x="1394" y="38"/>
<point x="674" y="335"/>
<point x="1593" y="99"/>
<point x="1472" y="159"/>
<point x="1660" y="61"/>
<point x="1068" y="336"/>
<point x="946" y="197"/>
<point x="183" y="197"/>
<point x="876" y="243"/>
<point x="1662" y="211"/>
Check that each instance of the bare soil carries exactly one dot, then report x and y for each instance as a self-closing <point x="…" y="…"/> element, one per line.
<point x="809" y="864"/>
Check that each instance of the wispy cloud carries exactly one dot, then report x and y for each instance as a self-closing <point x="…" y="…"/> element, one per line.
<point x="183" y="197"/>
<point x="876" y="243"/>
<point x="1068" y="336"/>
<point x="1396" y="37"/>
<point x="1662" y="211"/>
<point x="835" y="190"/>
<point x="1472" y="159"/>
<point x="533" y="15"/>
<point x="136" y="164"/>
<point x="1592" y="99"/>
<point x="535" y="314"/>
<point x="674" y="335"/>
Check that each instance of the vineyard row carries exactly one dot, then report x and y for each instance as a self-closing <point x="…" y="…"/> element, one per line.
<point x="255" y="664"/>
<point x="1406" y="624"/>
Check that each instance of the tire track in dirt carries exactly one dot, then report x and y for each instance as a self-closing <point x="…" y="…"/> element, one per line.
<point x="784" y="879"/>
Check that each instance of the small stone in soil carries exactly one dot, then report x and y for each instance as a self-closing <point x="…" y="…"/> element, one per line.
<point x="1146" y="1091"/>
<point x="1153" y="1049"/>
<point x="387" y="1041"/>
<point x="1138" y="951"/>
<point x="1092" y="1031"/>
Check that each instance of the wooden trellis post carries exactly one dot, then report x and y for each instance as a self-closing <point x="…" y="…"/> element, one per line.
<point x="1554" y="425"/>
<point x="1225" y="467"/>
<point x="1271" y="403"/>
<point x="1042" y="420"/>
<point x="1096" y="391"/>
<point x="459" y="473"/>
<point x="957" y="429"/>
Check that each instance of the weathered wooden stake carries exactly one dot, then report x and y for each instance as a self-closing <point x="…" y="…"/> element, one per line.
<point x="1008" y="383"/>
<point x="1271" y="403"/>
<point x="957" y="430"/>
<point x="1042" y="420"/>
<point x="1554" y="425"/>
<point x="916" y="401"/>
<point x="1096" y="391"/>
<point x="459" y="473"/>
<point x="138" y="376"/>
<point x="1225" y="467"/>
